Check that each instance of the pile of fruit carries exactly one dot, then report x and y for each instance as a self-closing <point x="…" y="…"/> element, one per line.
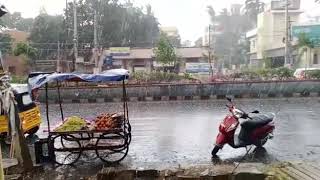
<point x="107" y="121"/>
<point x="72" y="123"/>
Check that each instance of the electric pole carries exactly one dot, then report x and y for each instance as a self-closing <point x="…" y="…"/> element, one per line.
<point x="209" y="51"/>
<point x="95" y="36"/>
<point x="75" y="34"/>
<point x="286" y="48"/>
<point x="95" y="26"/>
<point x="59" y="60"/>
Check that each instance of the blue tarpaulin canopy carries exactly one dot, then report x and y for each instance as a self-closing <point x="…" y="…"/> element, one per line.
<point x="106" y="76"/>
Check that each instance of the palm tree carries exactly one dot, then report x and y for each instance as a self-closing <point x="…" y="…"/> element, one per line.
<point x="211" y="13"/>
<point x="304" y="44"/>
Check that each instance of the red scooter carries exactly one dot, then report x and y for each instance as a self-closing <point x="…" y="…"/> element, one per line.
<point x="254" y="130"/>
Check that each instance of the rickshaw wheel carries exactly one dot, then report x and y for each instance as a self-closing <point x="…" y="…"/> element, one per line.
<point x="67" y="149"/>
<point x="112" y="148"/>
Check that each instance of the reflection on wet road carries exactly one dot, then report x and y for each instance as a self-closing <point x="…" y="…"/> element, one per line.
<point x="183" y="132"/>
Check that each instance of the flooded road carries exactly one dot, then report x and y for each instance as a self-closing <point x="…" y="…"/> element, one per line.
<point x="183" y="132"/>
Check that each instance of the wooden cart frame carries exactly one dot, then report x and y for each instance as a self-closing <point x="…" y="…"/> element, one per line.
<point x="111" y="146"/>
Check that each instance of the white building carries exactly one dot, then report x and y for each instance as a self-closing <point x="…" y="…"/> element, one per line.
<point x="267" y="40"/>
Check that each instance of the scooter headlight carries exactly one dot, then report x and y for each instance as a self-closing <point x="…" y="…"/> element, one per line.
<point x="237" y="113"/>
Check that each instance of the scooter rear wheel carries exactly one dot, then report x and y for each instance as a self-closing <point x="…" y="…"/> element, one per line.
<point x="262" y="142"/>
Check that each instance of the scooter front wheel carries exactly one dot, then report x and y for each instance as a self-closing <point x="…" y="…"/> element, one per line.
<point x="215" y="150"/>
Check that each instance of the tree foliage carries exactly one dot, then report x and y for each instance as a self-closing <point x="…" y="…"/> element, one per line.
<point x="47" y="30"/>
<point x="120" y="24"/>
<point x="253" y="8"/>
<point x="25" y="49"/>
<point x="16" y="21"/>
<point x="304" y="41"/>
<point x="5" y="43"/>
<point x="229" y="44"/>
<point x="165" y="52"/>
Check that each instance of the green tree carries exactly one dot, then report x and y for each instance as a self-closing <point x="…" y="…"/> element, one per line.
<point x="16" y="21"/>
<point x="304" y="43"/>
<point x="212" y="13"/>
<point x="230" y="46"/>
<point x="253" y="8"/>
<point x="120" y="24"/>
<point x="5" y="43"/>
<point x="47" y="30"/>
<point x="27" y="51"/>
<point x="164" y="52"/>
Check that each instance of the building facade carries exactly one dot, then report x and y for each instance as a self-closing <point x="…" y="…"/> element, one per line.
<point x="267" y="39"/>
<point x="307" y="56"/>
<point x="143" y="59"/>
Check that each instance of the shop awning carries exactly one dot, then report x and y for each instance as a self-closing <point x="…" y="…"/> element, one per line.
<point x="107" y="76"/>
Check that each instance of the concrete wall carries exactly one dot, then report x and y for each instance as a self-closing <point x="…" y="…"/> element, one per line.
<point x="187" y="91"/>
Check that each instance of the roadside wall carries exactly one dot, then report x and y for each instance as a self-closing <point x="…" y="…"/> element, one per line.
<point x="157" y="92"/>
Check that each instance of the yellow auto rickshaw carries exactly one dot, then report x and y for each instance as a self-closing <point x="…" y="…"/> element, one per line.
<point x="29" y="112"/>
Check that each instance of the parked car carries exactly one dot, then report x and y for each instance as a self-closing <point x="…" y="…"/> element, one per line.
<point x="300" y="73"/>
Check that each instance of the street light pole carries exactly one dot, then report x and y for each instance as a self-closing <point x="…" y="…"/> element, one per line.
<point x="75" y="34"/>
<point x="286" y="48"/>
<point x="209" y="52"/>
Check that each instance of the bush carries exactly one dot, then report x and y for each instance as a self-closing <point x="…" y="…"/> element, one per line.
<point x="314" y="74"/>
<point x="250" y="75"/>
<point x="156" y="77"/>
<point x="283" y="73"/>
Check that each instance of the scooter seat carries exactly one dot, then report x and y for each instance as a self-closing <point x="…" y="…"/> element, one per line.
<point x="258" y="121"/>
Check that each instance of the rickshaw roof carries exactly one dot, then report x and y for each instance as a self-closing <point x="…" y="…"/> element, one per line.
<point x="39" y="79"/>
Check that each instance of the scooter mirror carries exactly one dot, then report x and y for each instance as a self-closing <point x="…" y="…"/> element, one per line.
<point x="255" y="112"/>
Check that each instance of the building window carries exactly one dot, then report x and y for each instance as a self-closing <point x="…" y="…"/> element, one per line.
<point x="253" y="44"/>
<point x="315" y="59"/>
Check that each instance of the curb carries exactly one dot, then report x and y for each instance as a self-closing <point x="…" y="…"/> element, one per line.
<point x="187" y="98"/>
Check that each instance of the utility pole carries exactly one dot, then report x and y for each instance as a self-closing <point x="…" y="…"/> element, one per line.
<point x="95" y="26"/>
<point x="209" y="52"/>
<point x="95" y="38"/>
<point x="59" y="60"/>
<point x="286" y="48"/>
<point x="75" y="34"/>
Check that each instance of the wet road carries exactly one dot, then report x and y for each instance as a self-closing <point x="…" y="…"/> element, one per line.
<point x="183" y="132"/>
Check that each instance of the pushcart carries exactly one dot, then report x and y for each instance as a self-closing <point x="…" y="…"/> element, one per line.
<point x="65" y="148"/>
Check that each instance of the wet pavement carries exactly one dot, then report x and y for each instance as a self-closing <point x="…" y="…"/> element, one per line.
<point x="175" y="133"/>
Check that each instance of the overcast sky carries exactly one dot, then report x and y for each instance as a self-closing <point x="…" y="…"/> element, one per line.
<point x="189" y="16"/>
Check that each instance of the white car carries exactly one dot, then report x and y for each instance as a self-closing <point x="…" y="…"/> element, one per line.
<point x="300" y="72"/>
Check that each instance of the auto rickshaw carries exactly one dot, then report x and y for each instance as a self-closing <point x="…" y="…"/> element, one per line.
<point x="29" y="112"/>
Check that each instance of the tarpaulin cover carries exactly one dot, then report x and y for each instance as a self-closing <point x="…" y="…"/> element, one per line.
<point x="106" y="76"/>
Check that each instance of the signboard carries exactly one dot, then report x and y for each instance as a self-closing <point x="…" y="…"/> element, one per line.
<point x="108" y="60"/>
<point x="311" y="31"/>
<point x="119" y="51"/>
<point x="198" y="68"/>
<point x="280" y="4"/>
<point x="156" y="64"/>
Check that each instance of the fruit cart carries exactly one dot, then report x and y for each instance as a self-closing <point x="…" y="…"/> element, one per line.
<point x="109" y="135"/>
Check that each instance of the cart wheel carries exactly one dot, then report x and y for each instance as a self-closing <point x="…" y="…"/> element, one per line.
<point x="112" y="148"/>
<point x="66" y="149"/>
<point x="112" y="156"/>
<point x="129" y="138"/>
